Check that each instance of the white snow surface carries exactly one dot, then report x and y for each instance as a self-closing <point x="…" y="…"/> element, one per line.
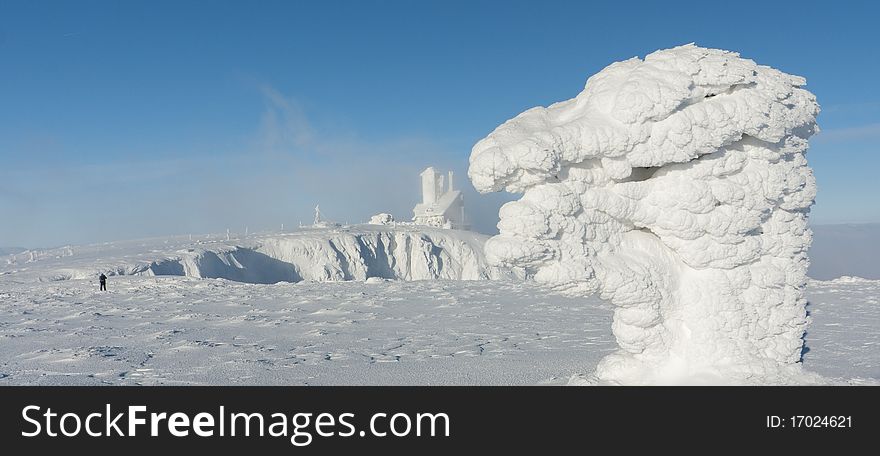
<point x="677" y="187"/>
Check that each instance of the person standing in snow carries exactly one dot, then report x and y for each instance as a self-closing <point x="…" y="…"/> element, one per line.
<point x="103" y="280"/>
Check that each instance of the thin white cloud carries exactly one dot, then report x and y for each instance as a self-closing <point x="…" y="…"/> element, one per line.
<point x="284" y="127"/>
<point x="851" y="108"/>
<point x="871" y="131"/>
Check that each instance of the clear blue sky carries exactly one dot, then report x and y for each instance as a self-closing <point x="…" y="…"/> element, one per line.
<point x="126" y="119"/>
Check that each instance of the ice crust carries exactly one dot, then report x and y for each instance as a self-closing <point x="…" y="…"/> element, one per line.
<point x="677" y="188"/>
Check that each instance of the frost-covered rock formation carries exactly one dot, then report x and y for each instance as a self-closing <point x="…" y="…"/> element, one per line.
<point x="677" y="187"/>
<point x="324" y="256"/>
<point x="315" y="254"/>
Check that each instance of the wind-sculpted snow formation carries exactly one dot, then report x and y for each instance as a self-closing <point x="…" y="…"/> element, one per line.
<point x="677" y="187"/>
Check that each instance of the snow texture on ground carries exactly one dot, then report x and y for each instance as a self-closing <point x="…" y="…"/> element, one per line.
<point x="844" y="337"/>
<point x="189" y="331"/>
<point x="178" y="330"/>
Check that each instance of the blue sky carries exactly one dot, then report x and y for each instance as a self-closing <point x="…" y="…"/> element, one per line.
<point x="128" y="119"/>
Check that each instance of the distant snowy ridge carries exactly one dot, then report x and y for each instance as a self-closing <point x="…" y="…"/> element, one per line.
<point x="391" y="254"/>
<point x="322" y="255"/>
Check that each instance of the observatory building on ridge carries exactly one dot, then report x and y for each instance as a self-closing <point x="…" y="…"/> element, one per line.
<point x="442" y="206"/>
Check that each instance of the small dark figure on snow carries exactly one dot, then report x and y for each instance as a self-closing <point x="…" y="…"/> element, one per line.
<point x="103" y="280"/>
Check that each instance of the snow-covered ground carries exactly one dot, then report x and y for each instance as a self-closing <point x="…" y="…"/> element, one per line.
<point x="844" y="338"/>
<point x="189" y="330"/>
<point x="178" y="330"/>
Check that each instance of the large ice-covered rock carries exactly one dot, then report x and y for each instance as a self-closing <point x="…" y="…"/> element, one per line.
<point x="677" y="187"/>
<point x="393" y="253"/>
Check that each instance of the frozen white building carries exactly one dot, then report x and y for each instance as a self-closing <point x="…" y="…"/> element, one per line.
<point x="442" y="205"/>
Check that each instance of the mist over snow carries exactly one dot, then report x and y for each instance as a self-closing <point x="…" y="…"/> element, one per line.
<point x="845" y="250"/>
